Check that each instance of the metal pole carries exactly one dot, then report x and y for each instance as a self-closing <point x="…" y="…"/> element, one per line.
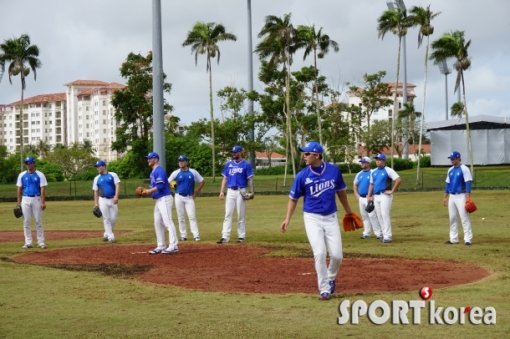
<point x="157" y="84"/>
<point x="250" y="86"/>
<point x="446" y="94"/>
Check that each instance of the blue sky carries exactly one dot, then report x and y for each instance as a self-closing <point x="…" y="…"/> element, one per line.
<point x="90" y="40"/>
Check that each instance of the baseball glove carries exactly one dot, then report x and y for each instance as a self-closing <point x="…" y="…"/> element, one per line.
<point x="470" y="206"/>
<point x="18" y="212"/>
<point x="97" y="212"/>
<point x="139" y="191"/>
<point x="370" y="207"/>
<point x="173" y="184"/>
<point x="247" y="195"/>
<point x="351" y="222"/>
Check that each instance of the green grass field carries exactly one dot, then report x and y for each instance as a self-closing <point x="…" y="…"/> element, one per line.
<point x="44" y="302"/>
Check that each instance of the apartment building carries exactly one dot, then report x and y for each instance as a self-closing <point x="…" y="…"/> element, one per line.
<point x="83" y="112"/>
<point x="384" y="113"/>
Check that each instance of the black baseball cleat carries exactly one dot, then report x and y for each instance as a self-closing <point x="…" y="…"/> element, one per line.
<point x="240" y="240"/>
<point x="448" y="242"/>
<point x="222" y="241"/>
<point x="467" y="243"/>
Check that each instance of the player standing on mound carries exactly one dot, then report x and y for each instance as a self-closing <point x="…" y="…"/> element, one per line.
<point x="160" y="191"/>
<point x="106" y="187"/>
<point x="318" y="183"/>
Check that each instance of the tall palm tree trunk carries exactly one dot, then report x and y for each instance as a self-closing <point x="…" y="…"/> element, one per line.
<point x="211" y="112"/>
<point x="395" y="102"/>
<point x="289" y="121"/>
<point x="316" y="97"/>
<point x="422" y="111"/>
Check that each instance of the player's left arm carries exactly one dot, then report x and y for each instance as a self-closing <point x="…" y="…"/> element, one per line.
<point x="396" y="184"/>
<point x="117" y="192"/>
<point x="43" y="197"/>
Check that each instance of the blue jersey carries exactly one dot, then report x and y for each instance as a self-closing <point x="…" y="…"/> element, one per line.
<point x="159" y="180"/>
<point x="105" y="184"/>
<point x="362" y="180"/>
<point x="31" y="183"/>
<point x="458" y="180"/>
<point x="237" y="174"/>
<point x="382" y="179"/>
<point x="185" y="181"/>
<point x="319" y="187"/>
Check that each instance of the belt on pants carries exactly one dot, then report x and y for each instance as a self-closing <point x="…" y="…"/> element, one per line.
<point x="30" y="195"/>
<point x="183" y="195"/>
<point x="363" y="195"/>
<point x="107" y="197"/>
<point x="457" y="193"/>
<point x="377" y="193"/>
<point x="235" y="188"/>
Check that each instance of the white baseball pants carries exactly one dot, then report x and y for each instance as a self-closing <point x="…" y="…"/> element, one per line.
<point x="233" y="199"/>
<point x="31" y="207"/>
<point x="369" y="219"/>
<point x="383" y="204"/>
<point x="163" y="220"/>
<point x="323" y="233"/>
<point x="110" y="212"/>
<point x="186" y="205"/>
<point x="456" y="204"/>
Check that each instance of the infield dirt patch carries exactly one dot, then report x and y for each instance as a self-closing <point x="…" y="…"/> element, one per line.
<point x="250" y="269"/>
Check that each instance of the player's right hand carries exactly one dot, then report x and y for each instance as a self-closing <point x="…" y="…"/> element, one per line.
<point x="283" y="226"/>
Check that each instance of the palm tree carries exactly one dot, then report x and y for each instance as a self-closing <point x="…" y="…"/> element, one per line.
<point x="454" y="45"/>
<point x="318" y="43"/>
<point x="397" y="22"/>
<point x="21" y="57"/>
<point x="279" y="44"/>
<point x="204" y="39"/>
<point x="422" y="17"/>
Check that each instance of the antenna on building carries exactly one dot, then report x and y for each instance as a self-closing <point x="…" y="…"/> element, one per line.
<point x="444" y="69"/>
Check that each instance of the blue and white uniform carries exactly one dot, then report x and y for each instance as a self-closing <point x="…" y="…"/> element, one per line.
<point x="32" y="185"/>
<point x="184" y="199"/>
<point x="163" y="208"/>
<point x="457" y="184"/>
<point x="362" y="184"/>
<point x="319" y="186"/>
<point x="381" y="182"/>
<point x="105" y="185"/>
<point x="236" y="174"/>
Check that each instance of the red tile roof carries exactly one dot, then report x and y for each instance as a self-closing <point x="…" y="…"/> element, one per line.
<point x="87" y="83"/>
<point x="42" y="98"/>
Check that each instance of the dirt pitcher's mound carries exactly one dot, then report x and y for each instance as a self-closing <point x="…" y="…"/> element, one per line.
<point x="244" y="268"/>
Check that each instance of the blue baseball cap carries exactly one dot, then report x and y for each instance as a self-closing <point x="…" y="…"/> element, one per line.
<point x="29" y="160"/>
<point x="152" y="155"/>
<point x="100" y="163"/>
<point x="236" y="149"/>
<point x="312" y="146"/>
<point x="454" y="155"/>
<point x="183" y="158"/>
<point x="380" y="156"/>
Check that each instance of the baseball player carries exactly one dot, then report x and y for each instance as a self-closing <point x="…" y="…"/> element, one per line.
<point x="31" y="195"/>
<point x="318" y="183"/>
<point x="384" y="181"/>
<point x="237" y="177"/>
<point x="457" y="190"/>
<point x="360" y="187"/>
<point x="106" y="187"/>
<point x="160" y="191"/>
<point x="185" y="179"/>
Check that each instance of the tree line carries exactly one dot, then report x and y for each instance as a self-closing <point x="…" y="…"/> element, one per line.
<point x="294" y="106"/>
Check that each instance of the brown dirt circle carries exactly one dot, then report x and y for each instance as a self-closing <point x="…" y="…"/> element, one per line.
<point x="249" y="269"/>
